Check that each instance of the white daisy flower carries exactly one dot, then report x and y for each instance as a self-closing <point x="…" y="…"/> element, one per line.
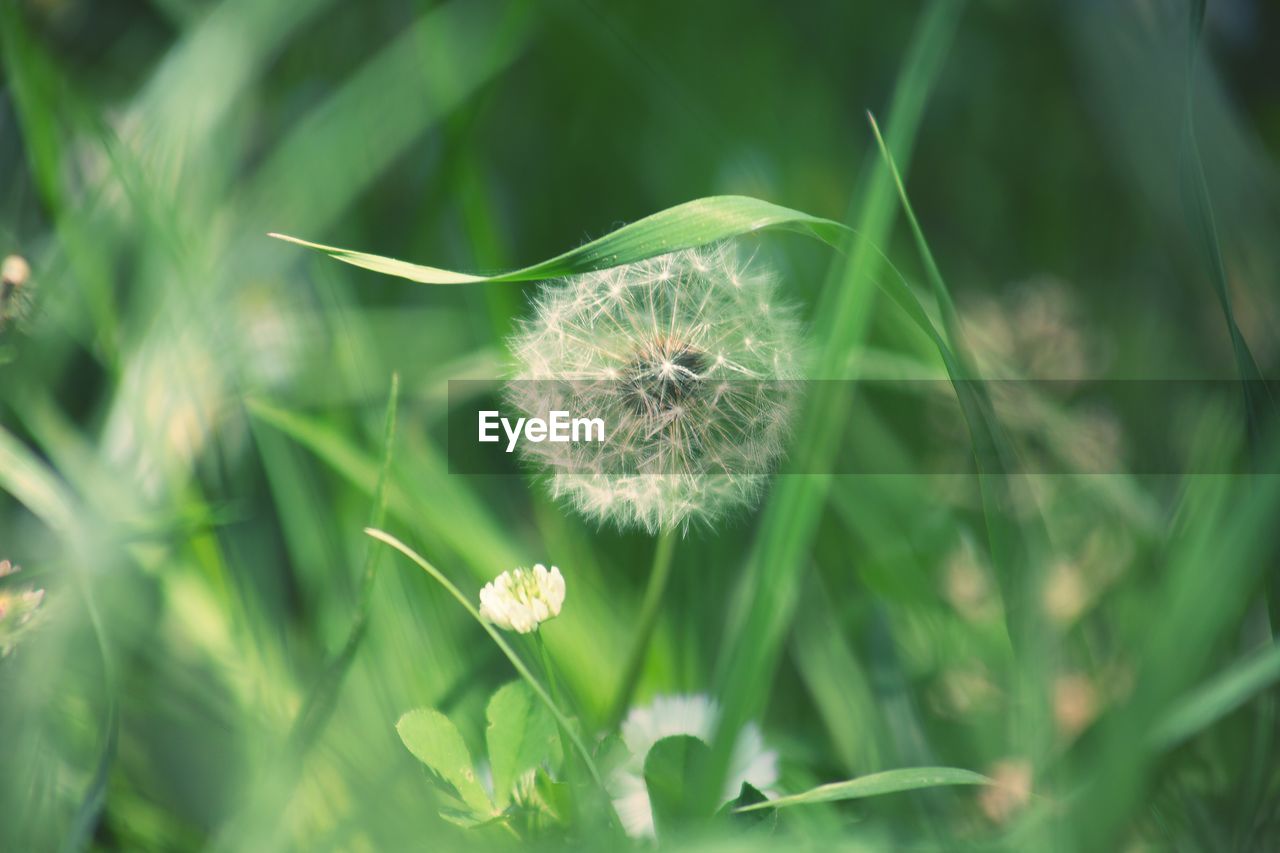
<point x="522" y="599"/>
<point x="668" y="716"/>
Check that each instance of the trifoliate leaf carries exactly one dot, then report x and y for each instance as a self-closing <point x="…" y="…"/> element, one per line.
<point x="436" y="742"/>
<point x="521" y="735"/>
<point x="749" y="795"/>
<point x="671" y="771"/>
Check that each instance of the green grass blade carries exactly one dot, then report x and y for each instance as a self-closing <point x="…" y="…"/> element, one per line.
<point x="1219" y="697"/>
<point x="85" y="822"/>
<point x="1215" y="561"/>
<point x="765" y="601"/>
<point x="838" y="683"/>
<point x="693" y="223"/>
<point x="431" y="68"/>
<point x="875" y="785"/>
<point x="1012" y="545"/>
<point x="320" y="701"/>
<point x="940" y="291"/>
<point x="1258" y="402"/>
<point x="38" y="488"/>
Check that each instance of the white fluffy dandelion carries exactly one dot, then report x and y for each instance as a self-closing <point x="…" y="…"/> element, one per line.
<point x="668" y="716"/>
<point x="522" y="599"/>
<point x="689" y="359"/>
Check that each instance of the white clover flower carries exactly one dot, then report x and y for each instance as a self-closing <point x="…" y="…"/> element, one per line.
<point x="688" y="359"/>
<point x="522" y="599"/>
<point x="668" y="716"/>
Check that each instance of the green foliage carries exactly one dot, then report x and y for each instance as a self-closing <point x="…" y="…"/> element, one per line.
<point x="694" y="223"/>
<point x="520" y="736"/>
<point x="196" y="430"/>
<point x="436" y="742"/>
<point x="671" y="775"/>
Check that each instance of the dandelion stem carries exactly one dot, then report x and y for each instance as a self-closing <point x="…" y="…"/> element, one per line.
<point x="658" y="577"/>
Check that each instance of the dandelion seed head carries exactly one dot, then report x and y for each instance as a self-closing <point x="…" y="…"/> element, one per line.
<point x="693" y="380"/>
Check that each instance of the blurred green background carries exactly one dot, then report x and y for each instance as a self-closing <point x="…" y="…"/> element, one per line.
<point x="191" y="413"/>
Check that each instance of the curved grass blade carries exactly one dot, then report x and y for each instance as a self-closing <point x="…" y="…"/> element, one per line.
<point x="993" y="451"/>
<point x="1219" y="697"/>
<point x="874" y="785"/>
<point x="684" y="226"/>
<point x="578" y="744"/>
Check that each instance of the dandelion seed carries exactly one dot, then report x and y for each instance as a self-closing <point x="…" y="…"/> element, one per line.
<point x="696" y="716"/>
<point x="694" y="383"/>
<point x="522" y="599"/>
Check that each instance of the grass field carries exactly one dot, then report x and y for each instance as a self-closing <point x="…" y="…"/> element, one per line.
<point x="1000" y="571"/>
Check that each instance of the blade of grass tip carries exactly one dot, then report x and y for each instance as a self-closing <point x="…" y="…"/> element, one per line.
<point x="875" y="785"/>
<point x="1014" y="545"/>
<point x="694" y="223"/>
<point x="575" y="738"/>
<point x="1219" y="697"/>
<point x="940" y="291"/>
<point x="319" y="703"/>
<point x="765" y="601"/>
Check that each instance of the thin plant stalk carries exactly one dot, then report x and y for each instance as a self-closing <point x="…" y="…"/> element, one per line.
<point x="654" y="591"/>
<point x="554" y="687"/>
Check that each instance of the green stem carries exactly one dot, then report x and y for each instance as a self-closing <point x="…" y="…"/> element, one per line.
<point x="548" y="669"/>
<point x="572" y="775"/>
<point x="554" y="688"/>
<point x="658" y="577"/>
